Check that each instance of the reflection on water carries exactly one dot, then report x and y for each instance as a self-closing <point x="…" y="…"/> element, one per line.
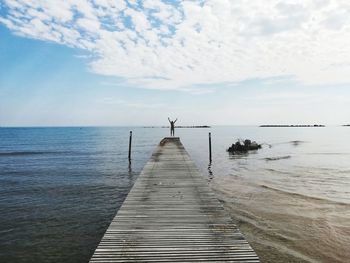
<point x="210" y="173"/>
<point x="130" y="169"/>
<point x="60" y="188"/>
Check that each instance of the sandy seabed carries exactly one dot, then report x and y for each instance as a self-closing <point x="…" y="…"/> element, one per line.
<point x="286" y="227"/>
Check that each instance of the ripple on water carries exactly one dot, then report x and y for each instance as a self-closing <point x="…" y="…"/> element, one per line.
<point x="305" y="228"/>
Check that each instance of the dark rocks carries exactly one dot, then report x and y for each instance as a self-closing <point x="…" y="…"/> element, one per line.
<point x="243" y="147"/>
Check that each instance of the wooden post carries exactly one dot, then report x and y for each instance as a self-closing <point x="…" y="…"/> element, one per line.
<point x="130" y="139"/>
<point x="210" y="147"/>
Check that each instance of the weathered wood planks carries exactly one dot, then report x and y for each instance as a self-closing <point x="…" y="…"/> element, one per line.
<point x="171" y="215"/>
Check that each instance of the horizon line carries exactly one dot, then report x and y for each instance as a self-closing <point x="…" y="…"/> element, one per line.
<point x="156" y="126"/>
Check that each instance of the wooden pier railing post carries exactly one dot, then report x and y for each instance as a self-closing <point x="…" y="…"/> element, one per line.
<point x="130" y="139"/>
<point x="210" y="147"/>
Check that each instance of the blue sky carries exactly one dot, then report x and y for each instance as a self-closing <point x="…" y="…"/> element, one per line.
<point x="101" y="62"/>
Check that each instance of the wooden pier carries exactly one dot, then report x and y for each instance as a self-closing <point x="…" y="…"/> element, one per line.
<point x="171" y="215"/>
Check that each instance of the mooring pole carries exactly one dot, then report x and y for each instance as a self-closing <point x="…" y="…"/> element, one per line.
<point x="210" y="147"/>
<point x="130" y="139"/>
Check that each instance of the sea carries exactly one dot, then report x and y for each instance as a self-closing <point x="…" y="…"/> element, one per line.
<point x="60" y="187"/>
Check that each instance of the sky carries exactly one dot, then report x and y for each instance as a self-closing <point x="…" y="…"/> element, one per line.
<point x="214" y="62"/>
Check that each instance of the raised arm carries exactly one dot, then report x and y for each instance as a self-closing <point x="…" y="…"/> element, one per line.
<point x="169" y="119"/>
<point x="175" y="120"/>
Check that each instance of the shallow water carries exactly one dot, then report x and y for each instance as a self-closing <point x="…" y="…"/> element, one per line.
<point x="60" y="188"/>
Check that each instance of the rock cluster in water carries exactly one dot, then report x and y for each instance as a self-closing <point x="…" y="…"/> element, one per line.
<point x="243" y="147"/>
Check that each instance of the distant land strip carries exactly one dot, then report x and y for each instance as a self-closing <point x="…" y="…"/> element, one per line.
<point x="346" y="125"/>
<point x="294" y="126"/>
<point x="191" y="127"/>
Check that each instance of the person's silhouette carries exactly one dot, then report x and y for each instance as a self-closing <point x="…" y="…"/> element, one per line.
<point x="172" y="127"/>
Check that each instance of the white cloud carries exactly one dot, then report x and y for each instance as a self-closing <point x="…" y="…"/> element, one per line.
<point x="88" y="24"/>
<point x="155" y="44"/>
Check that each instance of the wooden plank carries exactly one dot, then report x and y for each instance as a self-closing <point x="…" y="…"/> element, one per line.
<point x="171" y="215"/>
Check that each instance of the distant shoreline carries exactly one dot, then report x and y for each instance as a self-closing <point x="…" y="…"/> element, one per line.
<point x="186" y="127"/>
<point x="293" y="126"/>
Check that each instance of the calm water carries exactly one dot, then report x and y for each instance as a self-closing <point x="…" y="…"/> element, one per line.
<point x="61" y="187"/>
